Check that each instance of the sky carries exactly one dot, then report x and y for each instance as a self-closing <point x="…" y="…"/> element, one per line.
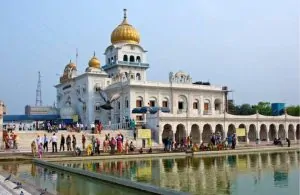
<point x="250" y="46"/>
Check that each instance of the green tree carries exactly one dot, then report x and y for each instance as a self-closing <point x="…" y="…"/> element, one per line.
<point x="245" y="109"/>
<point x="232" y="109"/>
<point x="293" y="110"/>
<point x="263" y="108"/>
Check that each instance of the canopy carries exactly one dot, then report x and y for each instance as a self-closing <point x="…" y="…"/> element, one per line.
<point x="10" y="118"/>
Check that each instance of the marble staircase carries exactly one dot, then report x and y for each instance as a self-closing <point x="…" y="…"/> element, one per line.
<point x="26" y="137"/>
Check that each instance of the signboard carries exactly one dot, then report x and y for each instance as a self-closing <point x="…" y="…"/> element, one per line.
<point x="240" y="132"/>
<point x="75" y="118"/>
<point x="144" y="133"/>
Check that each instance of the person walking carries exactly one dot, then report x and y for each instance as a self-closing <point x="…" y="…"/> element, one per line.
<point x="288" y="141"/>
<point x="54" y="142"/>
<point x="62" y="142"/>
<point x="74" y="142"/>
<point x="97" y="146"/>
<point x="45" y="143"/>
<point x="83" y="141"/>
<point x="40" y="150"/>
<point x="68" y="143"/>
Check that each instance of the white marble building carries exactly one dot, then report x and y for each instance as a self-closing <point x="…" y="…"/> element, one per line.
<point x="195" y="109"/>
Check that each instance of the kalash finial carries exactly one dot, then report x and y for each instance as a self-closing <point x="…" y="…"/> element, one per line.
<point x="125" y="15"/>
<point x="94" y="53"/>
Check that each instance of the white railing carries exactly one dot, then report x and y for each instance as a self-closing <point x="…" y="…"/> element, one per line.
<point x="117" y="126"/>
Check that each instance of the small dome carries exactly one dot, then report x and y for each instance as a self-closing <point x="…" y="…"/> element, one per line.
<point x="94" y="62"/>
<point x="71" y="66"/>
<point x="125" y="33"/>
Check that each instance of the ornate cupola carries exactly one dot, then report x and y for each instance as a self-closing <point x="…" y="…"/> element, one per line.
<point x="125" y="33"/>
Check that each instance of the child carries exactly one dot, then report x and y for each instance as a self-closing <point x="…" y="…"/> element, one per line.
<point x="33" y="148"/>
<point x="40" y="150"/>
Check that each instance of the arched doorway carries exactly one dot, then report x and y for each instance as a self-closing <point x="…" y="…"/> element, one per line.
<point x="252" y="133"/>
<point x="242" y="138"/>
<point x="207" y="133"/>
<point x="180" y="133"/>
<point x="298" y="132"/>
<point x="195" y="133"/>
<point x="263" y="134"/>
<point x="281" y="132"/>
<point x="272" y="132"/>
<point x="231" y="130"/>
<point x="219" y="130"/>
<point x="167" y="132"/>
<point x="291" y="132"/>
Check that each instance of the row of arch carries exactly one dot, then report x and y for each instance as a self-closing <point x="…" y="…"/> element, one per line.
<point x="183" y="103"/>
<point x="251" y="133"/>
<point x="131" y="58"/>
<point x="126" y="58"/>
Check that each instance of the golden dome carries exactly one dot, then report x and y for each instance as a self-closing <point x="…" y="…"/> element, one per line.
<point x="94" y="62"/>
<point x="125" y="33"/>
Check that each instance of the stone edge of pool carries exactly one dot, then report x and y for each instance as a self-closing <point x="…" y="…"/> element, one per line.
<point x="179" y="154"/>
<point x="113" y="180"/>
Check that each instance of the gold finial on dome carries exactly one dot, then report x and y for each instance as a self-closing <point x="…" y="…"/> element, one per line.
<point x="125" y="16"/>
<point x="125" y="32"/>
<point x="94" y="62"/>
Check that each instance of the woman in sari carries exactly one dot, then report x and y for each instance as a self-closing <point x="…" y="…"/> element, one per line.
<point x="119" y="144"/>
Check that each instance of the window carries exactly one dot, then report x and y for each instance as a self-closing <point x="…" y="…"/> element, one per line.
<point x="139" y="118"/>
<point x="180" y="105"/>
<point x="138" y="59"/>
<point x="115" y="58"/>
<point x="108" y="61"/>
<point x="119" y="105"/>
<point x="152" y="103"/>
<point x="97" y="88"/>
<point x="165" y="104"/>
<point x="97" y="107"/>
<point x="127" y="104"/>
<point x="139" y="103"/>
<point x="138" y="76"/>
<point x="195" y="105"/>
<point x="131" y="59"/>
<point x="206" y="106"/>
<point x="125" y="58"/>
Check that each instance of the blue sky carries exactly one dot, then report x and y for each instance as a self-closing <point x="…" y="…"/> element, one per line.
<point x="250" y="46"/>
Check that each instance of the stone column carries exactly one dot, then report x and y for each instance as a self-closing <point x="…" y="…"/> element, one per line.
<point x="267" y="128"/>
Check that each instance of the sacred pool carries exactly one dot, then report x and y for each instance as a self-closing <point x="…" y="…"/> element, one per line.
<point x="247" y="174"/>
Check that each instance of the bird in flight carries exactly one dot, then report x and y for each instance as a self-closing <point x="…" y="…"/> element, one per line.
<point x="8" y="178"/>
<point x="108" y="100"/>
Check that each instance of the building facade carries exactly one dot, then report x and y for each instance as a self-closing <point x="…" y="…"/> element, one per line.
<point x="196" y="109"/>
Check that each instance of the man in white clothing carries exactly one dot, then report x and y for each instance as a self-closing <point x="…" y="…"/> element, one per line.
<point x="54" y="142"/>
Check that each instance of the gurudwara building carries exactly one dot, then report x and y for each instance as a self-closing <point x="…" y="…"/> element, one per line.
<point x="118" y="91"/>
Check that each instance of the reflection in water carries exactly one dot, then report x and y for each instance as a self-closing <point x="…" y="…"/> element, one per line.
<point x="211" y="175"/>
<point x="273" y="173"/>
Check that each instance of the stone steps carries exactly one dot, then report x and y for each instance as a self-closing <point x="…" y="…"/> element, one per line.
<point x="26" y="137"/>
